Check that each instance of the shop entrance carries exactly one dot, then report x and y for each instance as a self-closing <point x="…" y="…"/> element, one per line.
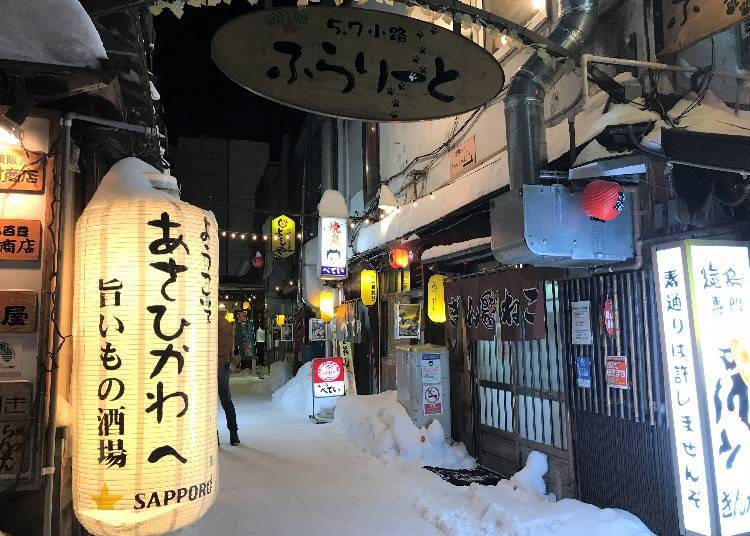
<point x="520" y="402"/>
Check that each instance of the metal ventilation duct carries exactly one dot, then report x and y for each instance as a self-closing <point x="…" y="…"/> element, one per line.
<point x="544" y="225"/>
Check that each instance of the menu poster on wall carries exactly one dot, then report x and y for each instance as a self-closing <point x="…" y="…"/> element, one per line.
<point x="431" y="369"/>
<point x="616" y="369"/>
<point x="581" y="322"/>
<point x="583" y="368"/>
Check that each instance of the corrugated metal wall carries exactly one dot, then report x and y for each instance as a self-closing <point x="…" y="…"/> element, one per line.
<point x="622" y="451"/>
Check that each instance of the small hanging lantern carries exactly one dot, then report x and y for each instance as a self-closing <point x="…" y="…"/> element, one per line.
<point x="280" y="320"/>
<point x="230" y="317"/>
<point x="399" y="258"/>
<point x="326" y="306"/>
<point x="246" y="305"/>
<point x="369" y="287"/>
<point x="436" y="298"/>
<point x="258" y="261"/>
<point x="603" y="200"/>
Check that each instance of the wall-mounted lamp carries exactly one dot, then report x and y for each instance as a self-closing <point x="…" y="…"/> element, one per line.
<point x="10" y="123"/>
<point x="387" y="201"/>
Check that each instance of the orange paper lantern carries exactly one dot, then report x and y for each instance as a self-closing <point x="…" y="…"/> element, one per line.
<point x="399" y="258"/>
<point x="603" y="200"/>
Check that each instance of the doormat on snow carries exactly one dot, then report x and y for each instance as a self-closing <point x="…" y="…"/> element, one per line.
<point x="464" y="477"/>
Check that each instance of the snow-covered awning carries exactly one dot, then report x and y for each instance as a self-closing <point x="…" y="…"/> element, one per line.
<point x="710" y="116"/>
<point x="438" y="253"/>
<point x="57" y="32"/>
<point x="475" y="184"/>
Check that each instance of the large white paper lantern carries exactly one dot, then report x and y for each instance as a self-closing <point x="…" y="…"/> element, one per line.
<point x="144" y="369"/>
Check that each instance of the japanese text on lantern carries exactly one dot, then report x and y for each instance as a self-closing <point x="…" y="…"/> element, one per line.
<point x="113" y="451"/>
<point x="205" y="299"/>
<point x="719" y="289"/>
<point x="171" y="351"/>
<point x="685" y="415"/>
<point x="283" y="237"/>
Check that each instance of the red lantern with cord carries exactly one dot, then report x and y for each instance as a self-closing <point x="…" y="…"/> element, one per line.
<point x="399" y="258"/>
<point x="603" y="200"/>
<point x="258" y="261"/>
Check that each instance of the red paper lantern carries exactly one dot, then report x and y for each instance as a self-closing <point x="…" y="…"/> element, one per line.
<point x="603" y="200"/>
<point x="258" y="261"/>
<point x="399" y="258"/>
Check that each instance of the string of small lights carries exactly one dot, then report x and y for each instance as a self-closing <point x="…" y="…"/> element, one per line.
<point x="253" y="236"/>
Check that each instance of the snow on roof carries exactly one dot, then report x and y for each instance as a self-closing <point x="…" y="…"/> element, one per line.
<point x="154" y="92"/>
<point x="596" y="151"/>
<point x="58" y="32"/>
<point x="473" y="185"/>
<point x="441" y="251"/>
<point x="711" y="116"/>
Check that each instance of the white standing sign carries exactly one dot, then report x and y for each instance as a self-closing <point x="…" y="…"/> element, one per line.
<point x="581" y="322"/>
<point x="703" y="298"/>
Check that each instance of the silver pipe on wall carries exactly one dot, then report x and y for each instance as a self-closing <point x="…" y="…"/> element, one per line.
<point x="524" y="102"/>
<point x="327" y="170"/>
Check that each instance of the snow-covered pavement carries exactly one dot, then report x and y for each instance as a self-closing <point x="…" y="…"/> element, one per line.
<point x="292" y="477"/>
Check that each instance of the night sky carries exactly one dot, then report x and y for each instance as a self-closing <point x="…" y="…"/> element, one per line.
<point x="198" y="99"/>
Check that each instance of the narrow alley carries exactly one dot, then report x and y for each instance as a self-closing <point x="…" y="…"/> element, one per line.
<point x="290" y="476"/>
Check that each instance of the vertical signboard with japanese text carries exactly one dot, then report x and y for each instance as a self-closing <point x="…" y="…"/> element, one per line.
<point x="333" y="248"/>
<point x="703" y="297"/>
<point x="283" y="237"/>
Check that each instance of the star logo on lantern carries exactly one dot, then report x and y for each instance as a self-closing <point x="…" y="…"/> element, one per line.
<point x="105" y="500"/>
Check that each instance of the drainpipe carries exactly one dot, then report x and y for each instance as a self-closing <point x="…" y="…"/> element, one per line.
<point x="524" y="102"/>
<point x="64" y="294"/>
<point x="637" y="262"/>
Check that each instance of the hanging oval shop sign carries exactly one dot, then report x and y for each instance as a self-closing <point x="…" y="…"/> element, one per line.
<point x="356" y="63"/>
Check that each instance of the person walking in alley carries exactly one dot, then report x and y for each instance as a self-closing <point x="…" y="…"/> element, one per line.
<point x="226" y="348"/>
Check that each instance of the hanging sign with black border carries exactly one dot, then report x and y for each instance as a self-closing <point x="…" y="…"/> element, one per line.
<point x="356" y="63"/>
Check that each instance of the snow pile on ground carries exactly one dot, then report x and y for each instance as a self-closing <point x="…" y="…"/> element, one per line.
<point x="279" y="375"/>
<point x="381" y="426"/>
<point x="520" y="507"/>
<point x="296" y="394"/>
<point x="57" y="32"/>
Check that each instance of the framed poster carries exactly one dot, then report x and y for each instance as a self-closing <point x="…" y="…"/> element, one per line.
<point x="408" y="320"/>
<point x="287" y="332"/>
<point x="317" y="330"/>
